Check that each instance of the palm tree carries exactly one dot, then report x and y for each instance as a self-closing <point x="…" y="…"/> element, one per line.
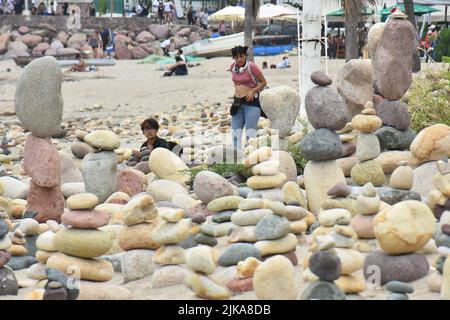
<point x="353" y="16"/>
<point x="409" y="10"/>
<point x="251" y="12"/>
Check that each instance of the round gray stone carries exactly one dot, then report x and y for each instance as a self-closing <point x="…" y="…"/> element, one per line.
<point x="393" y="139"/>
<point x="321" y="144"/>
<point x="325" y="265"/>
<point x="322" y="290"/>
<point x="38" y="99"/>
<point x="272" y="227"/>
<point x="223" y="216"/>
<point x="397" y="296"/>
<point x="201" y="238"/>
<point x="100" y="174"/>
<point x="238" y="252"/>
<point x="399" y="287"/>
<point x="8" y="282"/>
<point x="325" y="108"/>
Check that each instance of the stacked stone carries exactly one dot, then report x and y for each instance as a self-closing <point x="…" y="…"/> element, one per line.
<point x="392" y="67"/>
<point x="339" y="198"/>
<point x="281" y="106"/>
<point x="41" y="114"/>
<point x="326" y="112"/>
<point x="214" y="191"/>
<point x="99" y="169"/>
<point x="58" y="286"/>
<point x="223" y="122"/>
<point x="335" y="228"/>
<point x="173" y="230"/>
<point x="326" y="267"/>
<point x="7" y="277"/>
<point x="367" y="149"/>
<point x="367" y="206"/>
<point x="398" y="290"/>
<point x="45" y="244"/>
<point x="439" y="203"/>
<point x="81" y="242"/>
<point x="401" y="230"/>
<point x="140" y="160"/>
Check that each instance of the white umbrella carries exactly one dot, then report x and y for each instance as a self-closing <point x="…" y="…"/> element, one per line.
<point x="228" y="14"/>
<point x="271" y="11"/>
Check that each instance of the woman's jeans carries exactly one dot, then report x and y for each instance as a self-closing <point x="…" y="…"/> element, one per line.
<point x="247" y="117"/>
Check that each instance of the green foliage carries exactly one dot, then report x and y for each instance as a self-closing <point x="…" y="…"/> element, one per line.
<point x="428" y="100"/>
<point x="443" y="45"/>
<point x="446" y="59"/>
<point x="223" y="169"/>
<point x="300" y="161"/>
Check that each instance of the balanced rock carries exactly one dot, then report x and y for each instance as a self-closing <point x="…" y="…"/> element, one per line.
<point x="38" y="100"/>
<point x="82" y="243"/>
<point x="167" y="165"/>
<point x="394" y="113"/>
<point x="209" y="185"/>
<point x="321" y="144"/>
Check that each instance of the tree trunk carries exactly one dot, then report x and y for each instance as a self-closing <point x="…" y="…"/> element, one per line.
<point x="353" y="14"/>
<point x="248" y="28"/>
<point x="409" y="11"/>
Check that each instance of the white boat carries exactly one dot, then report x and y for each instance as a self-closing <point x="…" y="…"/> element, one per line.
<point x="214" y="47"/>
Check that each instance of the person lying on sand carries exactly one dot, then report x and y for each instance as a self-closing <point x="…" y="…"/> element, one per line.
<point x="80" y="67"/>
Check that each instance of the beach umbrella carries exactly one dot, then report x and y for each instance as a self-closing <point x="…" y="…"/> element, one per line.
<point x="419" y="10"/>
<point x="272" y="11"/>
<point x="228" y="14"/>
<point x="341" y="12"/>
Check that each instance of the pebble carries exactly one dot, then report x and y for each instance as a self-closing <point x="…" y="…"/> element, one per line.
<point x="5" y="256"/>
<point x="247" y="267"/>
<point x="393" y="139"/>
<point x="402" y="178"/>
<point x="19" y="263"/>
<point x="242" y="234"/>
<point x="351" y="284"/>
<point x="399" y="287"/>
<point x="83" y="243"/>
<point x="351" y="260"/>
<point x="272" y="227"/>
<point x="138" y="237"/>
<point x="266" y="182"/>
<point x="170" y="254"/>
<point x="366" y="123"/>
<point x="282" y="245"/>
<point x="96" y="291"/>
<point x="171" y="233"/>
<point x="321" y="79"/>
<point x="209" y="185"/>
<point x="4" y="228"/>
<point x="85" y="219"/>
<point x="368" y="171"/>
<point x="10" y="286"/>
<point x="170" y="214"/>
<point x="72" y="188"/>
<point x="136" y="264"/>
<point x="138" y="210"/>
<point x="240" y="285"/>
<point x="103" y="140"/>
<point x="238" y="252"/>
<point x="200" y="259"/>
<point x="321" y="144"/>
<point x="225" y="203"/>
<point x="249" y="217"/>
<point x="322" y="290"/>
<point x="274" y="279"/>
<point x="201" y="238"/>
<point x="80" y="149"/>
<point x="216" y="230"/>
<point x="166" y="276"/>
<point x="397" y="296"/>
<point x="29" y="226"/>
<point x="331" y="217"/>
<point x="368" y="147"/>
<point x="339" y="190"/>
<point x="223" y="216"/>
<point x="206" y="288"/>
<point x="325" y="265"/>
<point x="293" y="195"/>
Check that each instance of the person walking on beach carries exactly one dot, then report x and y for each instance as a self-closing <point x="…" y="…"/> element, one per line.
<point x="161" y="12"/>
<point x="248" y="81"/>
<point x="168" y="12"/>
<point x="222" y="28"/>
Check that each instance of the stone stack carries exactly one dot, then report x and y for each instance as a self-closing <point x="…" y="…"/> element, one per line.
<point x="223" y="208"/>
<point x="339" y="198"/>
<point x="367" y="149"/>
<point x="367" y="205"/>
<point x="7" y="277"/>
<point x="326" y="267"/>
<point x="39" y="107"/>
<point x="281" y="105"/>
<point x="99" y="169"/>
<point x="243" y="281"/>
<point x="326" y="112"/>
<point x="398" y="290"/>
<point x="59" y="286"/>
<point x="401" y="230"/>
<point x="439" y="203"/>
<point x="173" y="230"/>
<point x="80" y="243"/>
<point x="392" y="67"/>
<point x="45" y="242"/>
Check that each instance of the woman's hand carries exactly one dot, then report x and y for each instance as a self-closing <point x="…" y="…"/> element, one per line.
<point x="250" y="96"/>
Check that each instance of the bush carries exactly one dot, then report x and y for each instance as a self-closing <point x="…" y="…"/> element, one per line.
<point x="300" y="161"/>
<point x="229" y="171"/>
<point x="428" y="100"/>
<point x="443" y="45"/>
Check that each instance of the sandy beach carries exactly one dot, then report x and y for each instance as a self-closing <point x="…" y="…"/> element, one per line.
<point x="129" y="90"/>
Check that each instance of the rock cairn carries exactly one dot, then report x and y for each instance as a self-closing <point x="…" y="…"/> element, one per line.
<point x="80" y="242"/>
<point x="368" y="204"/>
<point x="39" y="108"/>
<point x="398" y="290"/>
<point x="367" y="149"/>
<point x="326" y="112"/>
<point x="439" y="203"/>
<point x="401" y="230"/>
<point x="99" y="169"/>
<point x="7" y="277"/>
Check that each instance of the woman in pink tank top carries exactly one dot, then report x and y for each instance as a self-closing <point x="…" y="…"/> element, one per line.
<point x="248" y="82"/>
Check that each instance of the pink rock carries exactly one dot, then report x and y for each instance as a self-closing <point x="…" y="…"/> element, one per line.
<point x="40" y="49"/>
<point x="159" y="31"/>
<point x="23" y="29"/>
<point x="47" y="202"/>
<point x="77" y="41"/>
<point x="42" y="162"/>
<point x="62" y="37"/>
<point x="31" y="40"/>
<point x="138" y="53"/>
<point x="130" y="181"/>
<point x="377" y="100"/>
<point x="145" y="37"/>
<point x="147" y="47"/>
<point x="122" y="37"/>
<point x="180" y="43"/>
<point x="241" y="285"/>
<point x="143" y="167"/>
<point x="4" y="38"/>
<point x="185" y="32"/>
<point x="122" y="51"/>
<point x="85" y="219"/>
<point x="363" y="226"/>
<point x="198" y="209"/>
<point x="50" y="52"/>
